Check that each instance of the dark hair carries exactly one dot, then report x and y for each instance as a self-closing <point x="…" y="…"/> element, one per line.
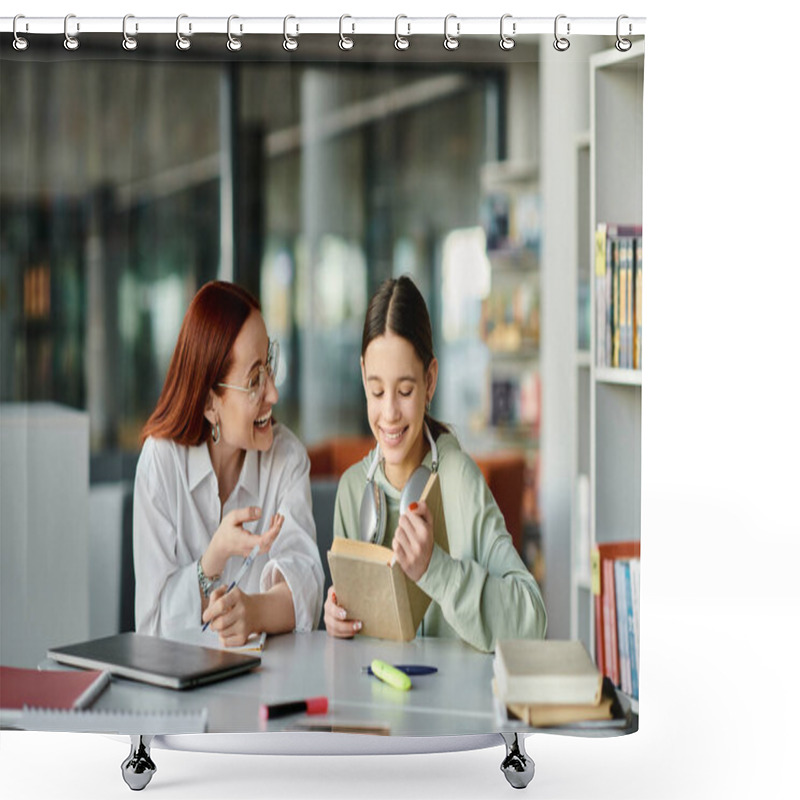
<point x="398" y="307"/>
<point x="202" y="358"/>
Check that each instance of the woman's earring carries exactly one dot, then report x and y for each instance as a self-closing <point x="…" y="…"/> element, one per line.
<point x="215" y="434"/>
<point x="428" y="406"/>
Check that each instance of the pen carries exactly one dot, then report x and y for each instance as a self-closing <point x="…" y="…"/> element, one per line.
<point x="240" y="574"/>
<point x="311" y="705"/>
<point x="409" y="669"/>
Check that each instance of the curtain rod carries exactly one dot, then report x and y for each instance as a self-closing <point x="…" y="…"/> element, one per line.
<point x="402" y="27"/>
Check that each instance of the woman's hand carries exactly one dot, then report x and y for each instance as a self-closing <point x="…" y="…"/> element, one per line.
<point x="233" y="616"/>
<point x="336" y="621"/>
<point x="413" y="540"/>
<point x="231" y="539"/>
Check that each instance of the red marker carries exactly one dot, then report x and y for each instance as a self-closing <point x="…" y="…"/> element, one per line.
<point x="312" y="705"/>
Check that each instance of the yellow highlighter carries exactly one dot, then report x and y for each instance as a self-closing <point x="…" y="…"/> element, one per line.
<point x="388" y="674"/>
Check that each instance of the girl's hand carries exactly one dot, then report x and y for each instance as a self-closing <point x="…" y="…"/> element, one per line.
<point x="231" y="615"/>
<point x="413" y="540"/>
<point x="231" y="539"/>
<point x="336" y="621"/>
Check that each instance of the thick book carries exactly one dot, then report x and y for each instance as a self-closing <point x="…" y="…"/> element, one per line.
<point x="548" y="715"/>
<point x="372" y="586"/>
<point x="52" y="689"/>
<point x="546" y="671"/>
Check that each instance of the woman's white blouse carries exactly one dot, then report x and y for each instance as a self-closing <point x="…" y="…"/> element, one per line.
<point x="176" y="511"/>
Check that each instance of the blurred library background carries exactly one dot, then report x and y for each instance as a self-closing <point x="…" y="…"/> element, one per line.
<point x="128" y="181"/>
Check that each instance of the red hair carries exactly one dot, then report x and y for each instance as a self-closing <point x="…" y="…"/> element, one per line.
<point x="202" y="358"/>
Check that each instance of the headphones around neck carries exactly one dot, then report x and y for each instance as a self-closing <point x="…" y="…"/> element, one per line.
<point x="372" y="516"/>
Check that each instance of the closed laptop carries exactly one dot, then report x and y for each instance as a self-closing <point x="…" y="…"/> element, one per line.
<point x="151" y="659"/>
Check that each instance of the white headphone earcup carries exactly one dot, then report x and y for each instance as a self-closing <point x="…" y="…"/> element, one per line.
<point x="372" y="514"/>
<point x="414" y="487"/>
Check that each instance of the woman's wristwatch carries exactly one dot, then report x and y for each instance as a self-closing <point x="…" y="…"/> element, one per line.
<point x="207" y="585"/>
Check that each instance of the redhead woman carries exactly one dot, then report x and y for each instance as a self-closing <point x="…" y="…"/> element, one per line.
<point x="481" y="590"/>
<point x="216" y="476"/>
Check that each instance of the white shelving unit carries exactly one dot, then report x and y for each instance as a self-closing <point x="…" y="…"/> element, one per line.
<point x="609" y="400"/>
<point x="510" y="326"/>
<point x="580" y="572"/>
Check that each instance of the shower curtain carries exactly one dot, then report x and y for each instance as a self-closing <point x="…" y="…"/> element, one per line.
<point x="502" y="171"/>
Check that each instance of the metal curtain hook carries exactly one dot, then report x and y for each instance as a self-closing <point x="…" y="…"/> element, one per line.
<point x="182" y="42"/>
<point x="289" y="42"/>
<point x="345" y="42"/>
<point x="561" y="43"/>
<point x="451" y="42"/>
<point x="70" y="42"/>
<point x="234" y="42"/>
<point x="128" y="42"/>
<point x="20" y="42"/>
<point x="400" y="42"/>
<point x="506" y="42"/>
<point x="623" y="45"/>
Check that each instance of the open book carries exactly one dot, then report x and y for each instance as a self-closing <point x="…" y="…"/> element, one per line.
<point x="372" y="586"/>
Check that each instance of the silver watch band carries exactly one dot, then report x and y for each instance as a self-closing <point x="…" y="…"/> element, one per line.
<point x="207" y="585"/>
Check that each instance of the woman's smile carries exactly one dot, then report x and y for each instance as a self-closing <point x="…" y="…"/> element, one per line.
<point x="263" y="421"/>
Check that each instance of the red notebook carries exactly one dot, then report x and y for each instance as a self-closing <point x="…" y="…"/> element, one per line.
<point x="62" y="689"/>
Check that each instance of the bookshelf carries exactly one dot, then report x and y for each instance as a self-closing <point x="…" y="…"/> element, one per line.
<point x="606" y="495"/>
<point x="510" y="323"/>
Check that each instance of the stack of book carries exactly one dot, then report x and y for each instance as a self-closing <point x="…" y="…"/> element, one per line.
<point x="615" y="585"/>
<point x="618" y="295"/>
<point x="547" y="682"/>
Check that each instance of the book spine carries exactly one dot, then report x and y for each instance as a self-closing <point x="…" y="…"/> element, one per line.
<point x="599" y="630"/>
<point x="622" y="626"/>
<point x="638" y="258"/>
<point x="611" y="620"/>
<point x="629" y="306"/>
<point x="613" y="307"/>
<point x="623" y="303"/>
<point x="635" y="608"/>
<point x="600" y="293"/>
<point x="634" y="667"/>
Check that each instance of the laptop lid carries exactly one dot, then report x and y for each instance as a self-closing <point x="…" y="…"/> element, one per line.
<point x="151" y="659"/>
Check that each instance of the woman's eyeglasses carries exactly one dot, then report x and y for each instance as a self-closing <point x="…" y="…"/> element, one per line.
<point x="255" y="388"/>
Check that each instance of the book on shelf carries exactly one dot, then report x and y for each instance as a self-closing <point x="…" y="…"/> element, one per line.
<point x="637" y="290"/>
<point x="618" y="269"/>
<point x="372" y="586"/>
<point x="615" y="584"/>
<point x="546" y="671"/>
<point x="516" y="400"/>
<point x="510" y="315"/>
<point x="623" y="645"/>
<point x="511" y="219"/>
<point x="22" y="688"/>
<point x="610" y="622"/>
